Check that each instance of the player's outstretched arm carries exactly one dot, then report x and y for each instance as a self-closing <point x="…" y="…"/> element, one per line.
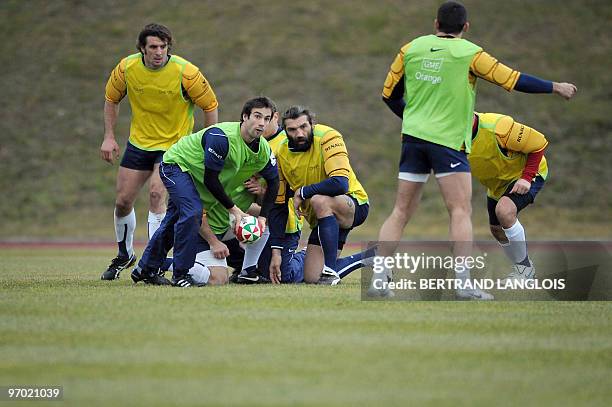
<point x="490" y="69"/>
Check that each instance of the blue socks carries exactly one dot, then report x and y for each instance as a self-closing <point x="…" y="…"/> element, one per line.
<point x="328" y="236"/>
<point x="346" y="265"/>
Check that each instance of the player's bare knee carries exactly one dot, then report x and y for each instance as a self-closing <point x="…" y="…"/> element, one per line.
<point x="123" y="206"/>
<point x="218" y="276"/>
<point x="321" y="205"/>
<point x="400" y="216"/>
<point x="460" y="211"/>
<point x="506" y="212"/>
<point x="156" y="198"/>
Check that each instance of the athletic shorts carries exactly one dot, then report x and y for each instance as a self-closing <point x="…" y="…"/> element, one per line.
<point x="203" y="250"/>
<point x="420" y="157"/>
<point x="361" y="213"/>
<point x="521" y="201"/>
<point x="142" y="160"/>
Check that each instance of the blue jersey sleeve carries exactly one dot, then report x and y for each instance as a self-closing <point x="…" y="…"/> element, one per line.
<point x="216" y="147"/>
<point x="270" y="174"/>
<point x="332" y="186"/>
<point x="533" y="84"/>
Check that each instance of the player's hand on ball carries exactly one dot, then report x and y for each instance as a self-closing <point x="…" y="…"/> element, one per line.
<point x="236" y="216"/>
<point x="521" y="187"/>
<point x="262" y="223"/>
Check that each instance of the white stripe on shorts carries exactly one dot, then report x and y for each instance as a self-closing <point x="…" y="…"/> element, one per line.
<point x="412" y="177"/>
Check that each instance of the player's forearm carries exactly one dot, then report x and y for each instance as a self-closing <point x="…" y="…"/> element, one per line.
<point x="213" y="184"/>
<point x="532" y="84"/>
<point x="532" y="165"/>
<point x="207" y="233"/>
<point x="396" y="105"/>
<point x="332" y="186"/>
<point x="211" y="117"/>
<point x="111" y="112"/>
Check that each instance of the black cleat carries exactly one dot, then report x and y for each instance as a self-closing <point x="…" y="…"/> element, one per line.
<point x="329" y="277"/>
<point x="233" y="279"/>
<point x="117" y="265"/>
<point x="185" y="281"/>
<point x="251" y="277"/>
<point x="151" y="279"/>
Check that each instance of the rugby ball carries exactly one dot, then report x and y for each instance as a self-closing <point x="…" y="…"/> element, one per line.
<point x="249" y="230"/>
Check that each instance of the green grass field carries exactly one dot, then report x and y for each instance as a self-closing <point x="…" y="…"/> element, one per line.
<point x="119" y="344"/>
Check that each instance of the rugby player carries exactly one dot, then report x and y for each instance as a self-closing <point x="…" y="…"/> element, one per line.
<point x="508" y="158"/>
<point x="198" y="171"/>
<point x="162" y="90"/>
<point x="431" y="86"/>
<point x="314" y="169"/>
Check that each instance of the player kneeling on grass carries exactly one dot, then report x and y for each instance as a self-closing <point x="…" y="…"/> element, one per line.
<point x="314" y="168"/>
<point x="508" y="158"/>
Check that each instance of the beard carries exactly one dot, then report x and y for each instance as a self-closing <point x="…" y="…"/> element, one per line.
<point x="296" y="147"/>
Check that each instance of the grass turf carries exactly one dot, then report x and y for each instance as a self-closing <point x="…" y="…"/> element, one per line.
<point x="112" y="343"/>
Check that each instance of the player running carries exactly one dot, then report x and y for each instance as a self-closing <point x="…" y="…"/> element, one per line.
<point x="431" y="85"/>
<point x="508" y="158"/>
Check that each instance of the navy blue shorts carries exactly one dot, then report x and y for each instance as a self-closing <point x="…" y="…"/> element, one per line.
<point x="420" y="157"/>
<point x="361" y="213"/>
<point x="521" y="201"/>
<point x="142" y="160"/>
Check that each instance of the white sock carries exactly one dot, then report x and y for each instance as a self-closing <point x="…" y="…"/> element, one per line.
<point x="462" y="272"/>
<point x="124" y="231"/>
<point x="252" y="251"/>
<point x="516" y="248"/>
<point x="380" y="272"/>
<point x="154" y="221"/>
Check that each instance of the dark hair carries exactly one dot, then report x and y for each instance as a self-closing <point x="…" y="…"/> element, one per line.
<point x="255" y="103"/>
<point x="154" y="30"/>
<point x="452" y="16"/>
<point x="296" y="111"/>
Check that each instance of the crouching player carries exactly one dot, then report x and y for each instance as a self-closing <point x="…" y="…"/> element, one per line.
<point x="508" y="158"/>
<point x="314" y="168"/>
<point x="199" y="171"/>
<point x="217" y="245"/>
